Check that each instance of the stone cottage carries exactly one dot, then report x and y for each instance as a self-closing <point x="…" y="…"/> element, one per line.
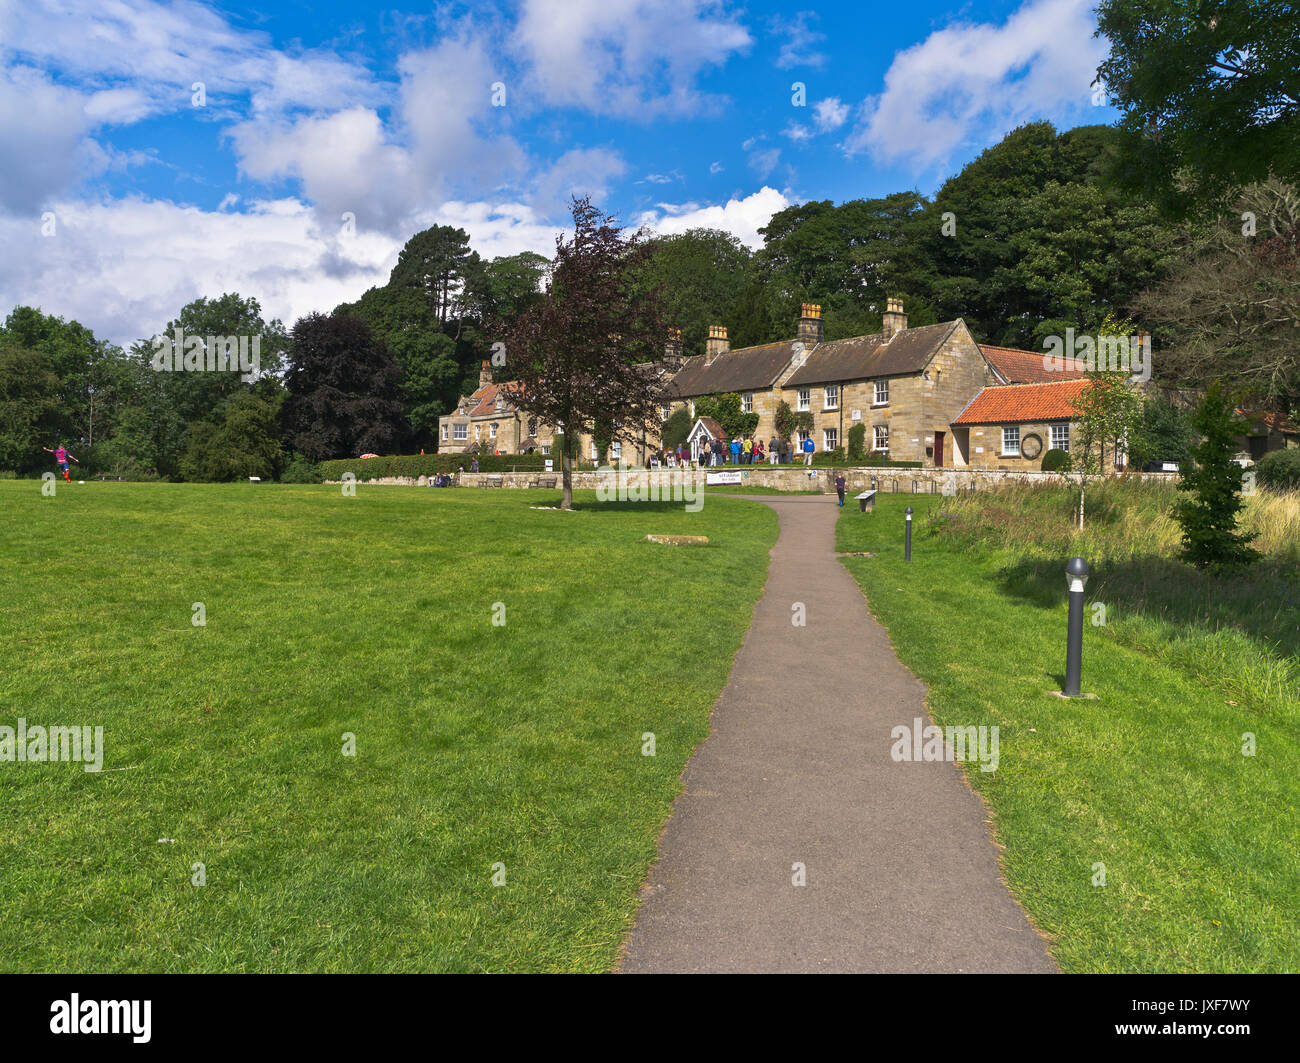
<point x="904" y="385"/>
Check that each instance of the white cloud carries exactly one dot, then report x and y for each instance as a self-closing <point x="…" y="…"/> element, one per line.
<point x="579" y="172"/>
<point x="830" y="114"/>
<point x="715" y="167"/>
<point x="799" y="41"/>
<point x="156" y="51"/>
<point x="968" y="84"/>
<point x="798" y="133"/>
<point x="125" y="268"/>
<point x="740" y="217"/>
<point x="635" y="58"/>
<point x="764" y="162"/>
<point x="41" y="129"/>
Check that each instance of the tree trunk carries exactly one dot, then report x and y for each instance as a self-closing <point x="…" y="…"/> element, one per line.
<point x="566" y="470"/>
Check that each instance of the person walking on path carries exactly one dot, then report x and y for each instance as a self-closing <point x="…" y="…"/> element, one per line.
<point x="840" y="484"/>
<point x="808" y="447"/>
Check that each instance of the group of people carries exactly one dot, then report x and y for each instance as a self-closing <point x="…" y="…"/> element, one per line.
<point x="740" y="450"/>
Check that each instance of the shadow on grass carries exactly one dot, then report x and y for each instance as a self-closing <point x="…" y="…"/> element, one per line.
<point x="1262" y="602"/>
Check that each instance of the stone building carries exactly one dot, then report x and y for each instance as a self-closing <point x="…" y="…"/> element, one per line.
<point x="904" y="385"/>
<point x="930" y="394"/>
<point x="1011" y="426"/>
<point x="488" y="422"/>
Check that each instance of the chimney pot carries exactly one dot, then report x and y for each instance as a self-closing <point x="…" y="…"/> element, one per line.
<point x="809" y="332"/>
<point x="893" y="321"/>
<point x="717" y="343"/>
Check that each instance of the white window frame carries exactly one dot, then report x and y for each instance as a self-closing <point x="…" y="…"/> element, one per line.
<point x="546" y="450"/>
<point x="747" y="402"/>
<point x="803" y="435"/>
<point x="880" y="394"/>
<point x="1007" y="429"/>
<point x="830" y="438"/>
<point x="460" y="433"/>
<point x="879" y="435"/>
<point x="805" y="399"/>
<point x="664" y="413"/>
<point x="595" y="451"/>
<point x="831" y="397"/>
<point x="616" y="450"/>
<point x="444" y="433"/>
<point x="492" y="430"/>
<point x="1056" y="431"/>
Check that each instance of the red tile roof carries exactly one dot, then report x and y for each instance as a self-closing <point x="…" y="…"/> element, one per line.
<point x="484" y="400"/>
<point x="1026" y="367"/>
<point x="1274" y="422"/>
<point x="1021" y="403"/>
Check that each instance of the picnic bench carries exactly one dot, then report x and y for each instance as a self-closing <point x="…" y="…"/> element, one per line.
<point x="866" y="501"/>
<point x="491" y="481"/>
<point x="542" y="481"/>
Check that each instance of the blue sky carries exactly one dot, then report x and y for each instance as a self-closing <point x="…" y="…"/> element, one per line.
<point x="323" y="136"/>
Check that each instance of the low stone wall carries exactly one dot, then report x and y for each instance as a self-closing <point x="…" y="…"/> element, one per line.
<point x="793" y="478"/>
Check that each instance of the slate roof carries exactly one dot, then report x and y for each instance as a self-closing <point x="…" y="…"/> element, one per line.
<point x="1025" y="367"/>
<point x="744" y="369"/>
<point x="863" y="357"/>
<point x="711" y="426"/>
<point x="1021" y="403"/>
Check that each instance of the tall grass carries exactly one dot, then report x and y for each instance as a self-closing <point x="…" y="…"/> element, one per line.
<point x="1240" y="632"/>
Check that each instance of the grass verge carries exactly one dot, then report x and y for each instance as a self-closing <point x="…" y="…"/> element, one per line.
<point x="476" y="745"/>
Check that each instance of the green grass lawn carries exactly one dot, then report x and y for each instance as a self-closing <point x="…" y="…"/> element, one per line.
<point x="1198" y="841"/>
<point x="475" y="744"/>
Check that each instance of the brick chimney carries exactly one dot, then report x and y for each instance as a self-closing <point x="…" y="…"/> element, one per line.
<point x="485" y="374"/>
<point x="893" y="320"/>
<point x="810" y="326"/>
<point x="717" y="343"/>
<point x="673" y="349"/>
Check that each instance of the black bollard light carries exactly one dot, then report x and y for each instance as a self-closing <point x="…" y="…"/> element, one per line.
<point x="907" y="542"/>
<point x="1076" y="573"/>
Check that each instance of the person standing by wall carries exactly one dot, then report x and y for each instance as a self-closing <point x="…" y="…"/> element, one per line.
<point x="808" y="447"/>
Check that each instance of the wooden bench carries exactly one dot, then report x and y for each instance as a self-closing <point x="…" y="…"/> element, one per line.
<point x="543" y="481"/>
<point x="491" y="481"/>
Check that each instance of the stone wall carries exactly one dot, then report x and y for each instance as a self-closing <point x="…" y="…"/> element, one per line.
<point x="796" y="478"/>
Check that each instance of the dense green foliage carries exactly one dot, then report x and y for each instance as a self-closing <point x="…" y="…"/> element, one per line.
<point x="1280" y="469"/>
<point x="1213" y="481"/>
<point x="677" y="428"/>
<point x="1056" y="461"/>
<point x="1209" y="95"/>
<point x="857" y="441"/>
<point x="725" y="409"/>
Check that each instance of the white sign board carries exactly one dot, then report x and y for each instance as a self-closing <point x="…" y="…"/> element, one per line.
<point x="722" y="478"/>
<point x="550" y="465"/>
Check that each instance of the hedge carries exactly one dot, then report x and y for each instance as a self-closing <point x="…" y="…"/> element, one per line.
<point x="416" y="465"/>
<point x="1056" y="460"/>
<point x="1280" y="469"/>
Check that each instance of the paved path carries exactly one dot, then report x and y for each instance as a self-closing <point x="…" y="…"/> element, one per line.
<point x="901" y="869"/>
